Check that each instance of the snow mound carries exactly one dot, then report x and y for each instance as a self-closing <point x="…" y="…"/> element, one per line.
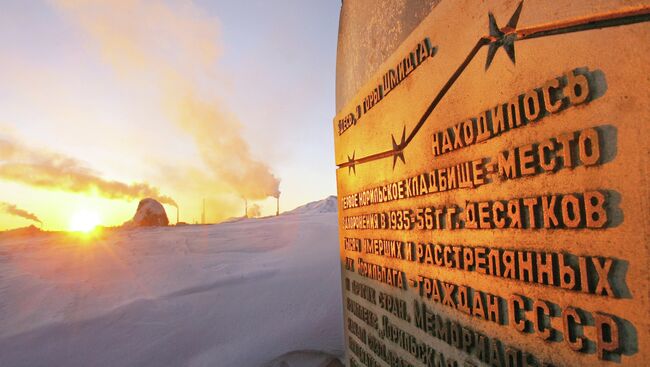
<point x="244" y="294"/>
<point x="327" y="205"/>
<point x="149" y="213"/>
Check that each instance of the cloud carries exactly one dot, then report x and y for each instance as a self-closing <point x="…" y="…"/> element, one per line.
<point x="42" y="168"/>
<point x="174" y="47"/>
<point x="14" y="210"/>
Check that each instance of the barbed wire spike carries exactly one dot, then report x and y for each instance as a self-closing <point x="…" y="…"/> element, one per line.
<point x="351" y="167"/>
<point x="398" y="149"/>
<point x="505" y="36"/>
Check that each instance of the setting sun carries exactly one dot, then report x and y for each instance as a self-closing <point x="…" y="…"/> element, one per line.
<point x="84" y="221"/>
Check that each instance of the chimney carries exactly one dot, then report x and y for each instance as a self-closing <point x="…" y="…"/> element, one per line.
<point x="277" y="211"/>
<point x="203" y="214"/>
<point x="176" y="214"/>
<point x="245" y="208"/>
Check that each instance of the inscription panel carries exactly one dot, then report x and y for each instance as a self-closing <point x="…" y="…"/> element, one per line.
<point x="493" y="193"/>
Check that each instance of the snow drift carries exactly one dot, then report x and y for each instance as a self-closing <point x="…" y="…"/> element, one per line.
<point x="257" y="292"/>
<point x="150" y="213"/>
<point x="327" y="205"/>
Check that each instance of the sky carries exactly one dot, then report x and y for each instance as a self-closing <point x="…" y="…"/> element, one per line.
<point x="104" y="102"/>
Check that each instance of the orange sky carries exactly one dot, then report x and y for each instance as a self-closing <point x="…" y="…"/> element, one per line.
<point x="111" y="100"/>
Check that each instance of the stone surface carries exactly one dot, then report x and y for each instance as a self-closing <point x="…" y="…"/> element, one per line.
<point x="493" y="202"/>
<point x="150" y="213"/>
<point x="369" y="31"/>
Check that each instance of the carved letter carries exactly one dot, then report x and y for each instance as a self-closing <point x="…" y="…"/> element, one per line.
<point x="577" y="88"/>
<point x="589" y="138"/>
<point x="603" y="286"/>
<point x="567" y="274"/>
<point x="571" y="211"/>
<point x="516" y="311"/>
<point x="541" y="312"/>
<point x="595" y="213"/>
<point x="571" y="320"/>
<point x="607" y="331"/>
<point x="531" y="105"/>
<point x="551" y="106"/>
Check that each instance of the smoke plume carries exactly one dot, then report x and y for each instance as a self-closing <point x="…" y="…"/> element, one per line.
<point x="14" y="210"/>
<point x="224" y="150"/>
<point x="42" y="168"/>
<point x="175" y="47"/>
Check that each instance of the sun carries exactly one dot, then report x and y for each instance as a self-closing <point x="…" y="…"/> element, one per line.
<point x="84" y="221"/>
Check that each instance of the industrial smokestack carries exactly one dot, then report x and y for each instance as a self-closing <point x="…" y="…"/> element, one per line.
<point x="176" y="214"/>
<point x="203" y="213"/>
<point x="245" y="208"/>
<point x="277" y="211"/>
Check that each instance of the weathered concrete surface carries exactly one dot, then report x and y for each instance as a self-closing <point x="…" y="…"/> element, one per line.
<point x="581" y="84"/>
<point x="369" y="31"/>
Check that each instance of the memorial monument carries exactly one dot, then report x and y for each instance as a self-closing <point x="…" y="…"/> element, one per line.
<point x="492" y="182"/>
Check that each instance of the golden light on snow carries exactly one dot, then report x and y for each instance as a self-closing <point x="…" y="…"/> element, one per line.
<point x="84" y="221"/>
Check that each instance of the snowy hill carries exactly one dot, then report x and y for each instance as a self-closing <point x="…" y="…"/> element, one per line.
<point x="31" y="230"/>
<point x="248" y="293"/>
<point x="327" y="205"/>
